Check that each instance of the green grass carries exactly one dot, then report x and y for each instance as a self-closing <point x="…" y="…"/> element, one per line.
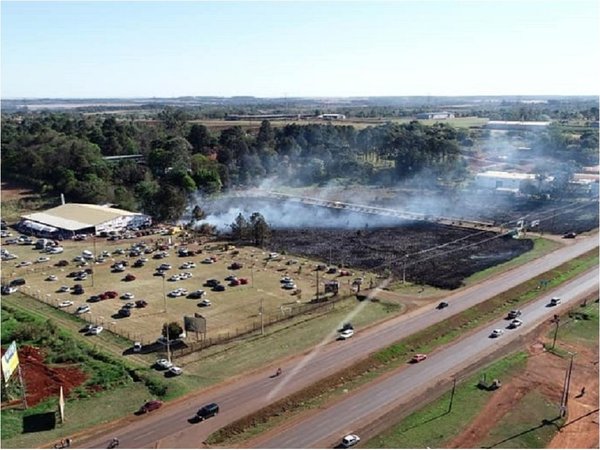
<point x="433" y="426"/>
<point x="541" y="247"/>
<point x="527" y="425"/>
<point x="581" y="327"/>
<point x="80" y="415"/>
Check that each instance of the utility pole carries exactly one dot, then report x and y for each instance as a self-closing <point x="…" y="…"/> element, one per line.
<point x="168" y="344"/>
<point x="452" y="395"/>
<point x="566" y="386"/>
<point x="557" y="322"/>
<point x="23" y="387"/>
<point x="164" y="293"/>
<point x="262" y="319"/>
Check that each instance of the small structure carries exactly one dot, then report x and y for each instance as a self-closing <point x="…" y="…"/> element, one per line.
<point x="435" y="115"/>
<point x="494" y="179"/>
<point x="332" y="117"/>
<point x="509" y="125"/>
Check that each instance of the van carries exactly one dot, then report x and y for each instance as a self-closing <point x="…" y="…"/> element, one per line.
<point x="210" y="410"/>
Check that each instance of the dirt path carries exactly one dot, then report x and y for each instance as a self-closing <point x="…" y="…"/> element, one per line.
<point x="545" y="372"/>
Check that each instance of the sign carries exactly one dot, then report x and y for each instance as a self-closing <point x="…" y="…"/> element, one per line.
<point x="10" y="361"/>
<point x="197" y="323"/>
<point x="61" y="406"/>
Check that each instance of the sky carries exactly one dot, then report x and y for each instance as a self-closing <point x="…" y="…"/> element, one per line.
<point x="299" y="49"/>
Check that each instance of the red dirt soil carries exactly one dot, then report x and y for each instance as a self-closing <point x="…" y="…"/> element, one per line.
<point x="42" y="381"/>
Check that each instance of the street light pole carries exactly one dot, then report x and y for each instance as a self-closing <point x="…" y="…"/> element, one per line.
<point x="557" y="322"/>
<point x="164" y="293"/>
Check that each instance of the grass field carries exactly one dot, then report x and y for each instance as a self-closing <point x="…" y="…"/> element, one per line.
<point x="433" y="426"/>
<point x="233" y="310"/>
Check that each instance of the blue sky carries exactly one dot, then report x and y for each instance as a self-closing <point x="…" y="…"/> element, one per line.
<point x="293" y="48"/>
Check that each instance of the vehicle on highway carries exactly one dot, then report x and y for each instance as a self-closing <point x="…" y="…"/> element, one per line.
<point x="515" y="323"/>
<point x="570" y="235"/>
<point x="174" y="370"/>
<point x="346" y="326"/>
<point x="442" y="305"/>
<point x="207" y="411"/>
<point x="418" y="358"/>
<point x="496" y="333"/>
<point x="346" y="334"/>
<point x="555" y="301"/>
<point x="152" y="405"/>
<point x="65" y="304"/>
<point x="82" y="309"/>
<point x="350" y="440"/>
<point x="164" y="364"/>
<point x="514" y="314"/>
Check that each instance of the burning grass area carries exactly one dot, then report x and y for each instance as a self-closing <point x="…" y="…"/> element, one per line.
<point x="438" y="255"/>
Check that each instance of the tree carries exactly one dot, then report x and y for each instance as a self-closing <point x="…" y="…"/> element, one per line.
<point x="239" y="227"/>
<point x="260" y="228"/>
<point x="200" y="139"/>
<point x="174" y="330"/>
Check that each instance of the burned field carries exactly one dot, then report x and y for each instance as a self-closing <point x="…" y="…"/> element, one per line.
<point x="438" y="255"/>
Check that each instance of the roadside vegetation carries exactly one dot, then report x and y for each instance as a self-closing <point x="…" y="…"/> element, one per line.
<point x="397" y="354"/>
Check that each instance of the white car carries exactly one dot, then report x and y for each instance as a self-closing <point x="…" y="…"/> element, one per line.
<point x="346" y="334"/>
<point x="24" y="263"/>
<point x="515" y="323"/>
<point x="555" y="301"/>
<point x="96" y="329"/>
<point x="350" y="440"/>
<point x="174" y="278"/>
<point x="207" y="261"/>
<point x="82" y="309"/>
<point x="6" y="290"/>
<point x="185" y="275"/>
<point x="205" y="302"/>
<point x="55" y="250"/>
<point x="51" y="278"/>
<point x="164" y="363"/>
<point x="178" y="292"/>
<point x="188" y="265"/>
<point x="289" y="286"/>
<point x="174" y="370"/>
<point x="64" y="289"/>
<point x="42" y="259"/>
<point x="65" y="304"/>
<point x="127" y="296"/>
<point x="496" y="333"/>
<point x="286" y="280"/>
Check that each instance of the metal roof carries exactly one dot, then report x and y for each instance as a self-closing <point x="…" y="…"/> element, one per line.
<point x="76" y="216"/>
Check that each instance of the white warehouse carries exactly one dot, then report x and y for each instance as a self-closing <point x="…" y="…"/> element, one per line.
<point x="75" y="218"/>
<point x="493" y="179"/>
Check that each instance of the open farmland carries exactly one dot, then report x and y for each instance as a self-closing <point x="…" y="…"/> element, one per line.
<point x="232" y="311"/>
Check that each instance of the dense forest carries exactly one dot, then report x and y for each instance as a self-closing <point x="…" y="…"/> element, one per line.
<point x="65" y="153"/>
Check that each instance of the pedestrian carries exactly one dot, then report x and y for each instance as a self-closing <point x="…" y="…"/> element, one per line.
<point x="582" y="391"/>
<point x="69" y="442"/>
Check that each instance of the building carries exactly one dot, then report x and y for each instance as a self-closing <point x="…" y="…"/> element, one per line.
<point x="435" y="115"/>
<point x="70" y="219"/>
<point x="516" y="125"/>
<point x="493" y="179"/>
<point x="332" y="116"/>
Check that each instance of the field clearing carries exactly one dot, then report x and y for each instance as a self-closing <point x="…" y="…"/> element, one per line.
<point x="233" y="310"/>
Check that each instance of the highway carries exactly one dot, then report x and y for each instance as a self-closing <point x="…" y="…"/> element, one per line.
<point x="326" y="427"/>
<point x="169" y="427"/>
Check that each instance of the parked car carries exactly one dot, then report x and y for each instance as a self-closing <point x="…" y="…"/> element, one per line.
<point x="165" y="267"/>
<point x="196" y="294"/>
<point x="218" y="288"/>
<point x="555" y="301"/>
<point x="7" y="290"/>
<point x="42" y="259"/>
<point x="141" y="303"/>
<point x="152" y="405"/>
<point x="289" y="286"/>
<point x="205" y="302"/>
<point x="127" y="296"/>
<point x="65" y="304"/>
<point x="350" y="440"/>
<point x="175" y="370"/>
<point x="18" y="282"/>
<point x="78" y="289"/>
<point x="24" y="264"/>
<point x="164" y="364"/>
<point x="82" y="309"/>
<point x="137" y="347"/>
<point x="64" y="289"/>
<point x="124" y="312"/>
<point x="496" y="333"/>
<point x="212" y="282"/>
<point x="111" y="294"/>
<point x="207" y="411"/>
<point x="51" y="278"/>
<point x="418" y="358"/>
<point x="96" y="329"/>
<point x="129" y="277"/>
<point x="346" y="334"/>
<point x="61" y="263"/>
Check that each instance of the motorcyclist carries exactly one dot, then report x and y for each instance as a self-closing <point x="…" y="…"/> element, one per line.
<point x="279" y="371"/>
<point x="114" y="443"/>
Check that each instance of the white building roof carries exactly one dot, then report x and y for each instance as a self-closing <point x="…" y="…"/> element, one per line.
<point x="76" y="216"/>
<point x="517" y="122"/>
<point x="506" y="175"/>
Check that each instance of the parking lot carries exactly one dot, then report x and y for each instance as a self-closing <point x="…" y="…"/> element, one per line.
<point x="232" y="310"/>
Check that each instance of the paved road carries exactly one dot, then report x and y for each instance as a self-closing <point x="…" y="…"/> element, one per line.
<point x="169" y="427"/>
<point x="325" y="427"/>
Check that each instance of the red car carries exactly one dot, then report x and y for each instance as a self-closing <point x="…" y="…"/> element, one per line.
<point x="129" y="277"/>
<point x="111" y="294"/>
<point x="418" y="358"/>
<point x="141" y="303"/>
<point x="150" y="406"/>
<point x="243" y="280"/>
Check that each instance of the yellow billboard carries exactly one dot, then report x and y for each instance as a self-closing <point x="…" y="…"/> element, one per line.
<point x="10" y="361"/>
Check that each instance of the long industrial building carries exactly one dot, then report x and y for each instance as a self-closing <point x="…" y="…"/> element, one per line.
<point x="76" y="218"/>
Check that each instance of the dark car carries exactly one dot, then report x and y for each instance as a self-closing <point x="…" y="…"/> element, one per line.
<point x="152" y="405"/>
<point x="570" y="235"/>
<point x="442" y="305"/>
<point x="141" y="303"/>
<point x="212" y="282"/>
<point x="125" y="312"/>
<point x="196" y="294"/>
<point x="18" y="282"/>
<point x="218" y="288"/>
<point x="346" y="326"/>
<point x="210" y="410"/>
<point x="78" y="289"/>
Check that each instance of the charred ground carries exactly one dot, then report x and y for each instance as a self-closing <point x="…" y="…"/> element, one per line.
<point x="440" y="256"/>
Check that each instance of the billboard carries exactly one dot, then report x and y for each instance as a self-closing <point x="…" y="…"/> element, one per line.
<point x="10" y="361"/>
<point x="196" y="323"/>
